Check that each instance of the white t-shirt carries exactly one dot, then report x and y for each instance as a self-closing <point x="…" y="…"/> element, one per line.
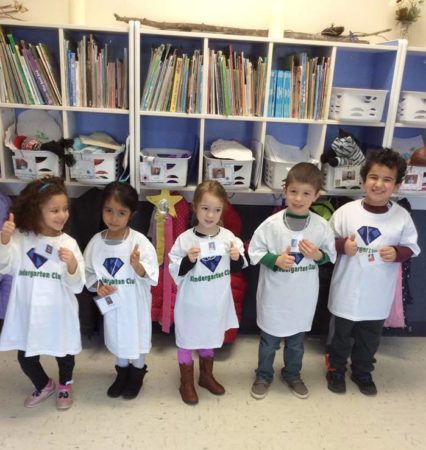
<point x="363" y="286"/>
<point x="127" y="329"/>
<point x="204" y="307"/>
<point x="286" y="299"/>
<point x="42" y="314"/>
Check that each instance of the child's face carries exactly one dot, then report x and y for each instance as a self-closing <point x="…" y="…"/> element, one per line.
<point x="116" y="217"/>
<point x="300" y="197"/>
<point x="54" y="215"/>
<point x="380" y="184"/>
<point x="208" y="212"/>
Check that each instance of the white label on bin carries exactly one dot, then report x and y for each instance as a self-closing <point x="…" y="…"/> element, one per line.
<point x="153" y="172"/>
<point x="83" y="169"/>
<point x="24" y="167"/>
<point x="223" y="174"/>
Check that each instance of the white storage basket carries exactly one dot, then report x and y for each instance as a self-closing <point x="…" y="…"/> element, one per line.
<point x="341" y="177"/>
<point x="96" y="168"/>
<point x="362" y="105"/>
<point x="229" y="172"/>
<point x="31" y="164"/>
<point x="412" y="107"/>
<point x="275" y="172"/>
<point x="160" y="167"/>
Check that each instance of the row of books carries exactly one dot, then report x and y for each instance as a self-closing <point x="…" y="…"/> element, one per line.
<point x="28" y="73"/>
<point x="299" y="90"/>
<point x="93" y="76"/>
<point x="173" y="82"/>
<point x="236" y="86"/>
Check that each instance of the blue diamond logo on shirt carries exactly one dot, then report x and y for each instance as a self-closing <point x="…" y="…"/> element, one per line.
<point x="113" y="265"/>
<point x="36" y="259"/>
<point x="211" y="262"/>
<point x="369" y="234"/>
<point x="297" y="257"/>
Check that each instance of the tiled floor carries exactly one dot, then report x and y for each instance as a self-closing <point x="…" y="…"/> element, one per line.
<point x="157" y="419"/>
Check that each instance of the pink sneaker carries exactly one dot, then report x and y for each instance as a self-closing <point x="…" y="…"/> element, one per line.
<point x="64" y="396"/>
<point x="39" y="396"/>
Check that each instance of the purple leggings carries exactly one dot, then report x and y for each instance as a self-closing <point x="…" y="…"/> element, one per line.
<point x="185" y="356"/>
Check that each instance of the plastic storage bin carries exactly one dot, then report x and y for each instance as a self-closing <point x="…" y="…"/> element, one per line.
<point x="229" y="172"/>
<point x="412" y="107"/>
<point x="362" y="105"/>
<point x="96" y="168"/>
<point x="275" y="172"/>
<point x="31" y="164"/>
<point x="161" y="167"/>
<point x="341" y="177"/>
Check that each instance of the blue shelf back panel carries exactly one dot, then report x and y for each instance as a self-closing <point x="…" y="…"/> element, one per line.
<point x="252" y="50"/>
<point x="281" y="52"/>
<point x="116" y="41"/>
<point x="116" y="125"/>
<point x="290" y="134"/>
<point x="414" y="73"/>
<point x="34" y="36"/>
<point x="410" y="132"/>
<point x="367" y="136"/>
<point x="240" y="131"/>
<point x="181" y="45"/>
<point x="367" y="70"/>
<point x="169" y="132"/>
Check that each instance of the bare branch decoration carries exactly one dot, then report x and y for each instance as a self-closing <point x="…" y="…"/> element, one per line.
<point x="194" y="27"/>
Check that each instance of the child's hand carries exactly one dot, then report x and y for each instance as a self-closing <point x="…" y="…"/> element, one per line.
<point x="285" y="261"/>
<point x="351" y="247"/>
<point x="135" y="261"/>
<point x="105" y="289"/>
<point x="193" y="254"/>
<point x="388" y="254"/>
<point x="309" y="250"/>
<point x="67" y="256"/>
<point x="234" y="253"/>
<point x="135" y="256"/>
<point x="8" y="229"/>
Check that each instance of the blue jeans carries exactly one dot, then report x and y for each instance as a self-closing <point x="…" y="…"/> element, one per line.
<point x="292" y="356"/>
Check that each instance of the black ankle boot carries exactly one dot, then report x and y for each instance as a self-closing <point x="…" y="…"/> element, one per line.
<point x="134" y="382"/>
<point x="116" y="388"/>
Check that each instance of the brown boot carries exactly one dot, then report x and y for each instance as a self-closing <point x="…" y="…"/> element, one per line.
<point x="207" y="379"/>
<point x="187" y="389"/>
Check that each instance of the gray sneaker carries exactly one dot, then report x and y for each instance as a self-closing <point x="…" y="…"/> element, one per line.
<point x="259" y="388"/>
<point x="297" y="387"/>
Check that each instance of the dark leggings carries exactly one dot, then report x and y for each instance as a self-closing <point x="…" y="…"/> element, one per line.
<point x="34" y="371"/>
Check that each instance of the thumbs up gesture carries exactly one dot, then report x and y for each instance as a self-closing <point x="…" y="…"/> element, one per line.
<point x="135" y="256"/>
<point x="351" y="247"/>
<point x="285" y="261"/>
<point x="8" y="229"/>
<point x="234" y="253"/>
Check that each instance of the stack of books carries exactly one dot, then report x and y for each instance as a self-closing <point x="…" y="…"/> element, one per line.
<point x="173" y="82"/>
<point x="28" y="74"/>
<point x="298" y="90"/>
<point x="236" y="85"/>
<point x="93" y="76"/>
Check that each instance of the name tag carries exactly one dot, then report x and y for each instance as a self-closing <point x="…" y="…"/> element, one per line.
<point x="108" y="303"/>
<point x="371" y="258"/>
<point x="47" y="251"/>
<point x="294" y="242"/>
<point x="212" y="248"/>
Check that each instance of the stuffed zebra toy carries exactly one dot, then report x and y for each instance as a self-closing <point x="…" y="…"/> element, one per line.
<point x="345" y="152"/>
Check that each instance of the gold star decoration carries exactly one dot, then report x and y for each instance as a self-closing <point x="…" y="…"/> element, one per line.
<point x="165" y="196"/>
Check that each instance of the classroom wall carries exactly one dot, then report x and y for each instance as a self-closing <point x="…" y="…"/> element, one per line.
<point x="309" y="16"/>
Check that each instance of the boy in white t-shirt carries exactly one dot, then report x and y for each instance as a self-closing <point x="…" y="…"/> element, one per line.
<point x="373" y="236"/>
<point x="289" y="246"/>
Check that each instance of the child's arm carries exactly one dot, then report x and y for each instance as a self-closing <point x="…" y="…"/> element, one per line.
<point x="74" y="277"/>
<point x="67" y="256"/>
<point x="309" y="250"/>
<point x="189" y="261"/>
<point x="145" y="262"/>
<point x="285" y="261"/>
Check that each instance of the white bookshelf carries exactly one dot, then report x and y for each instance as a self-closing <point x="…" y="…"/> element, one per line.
<point x="392" y="66"/>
